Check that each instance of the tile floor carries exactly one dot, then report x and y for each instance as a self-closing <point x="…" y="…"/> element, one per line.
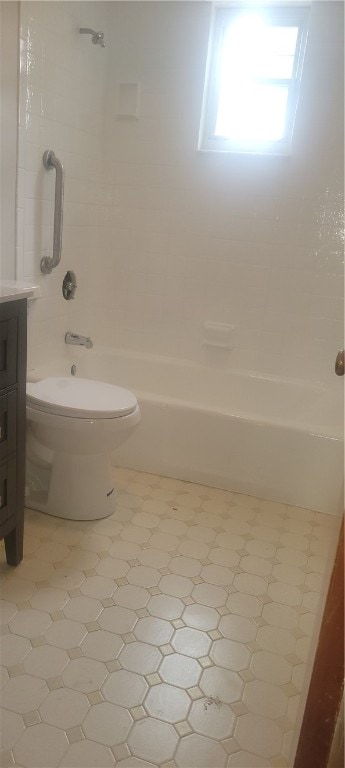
<point x="174" y="633"/>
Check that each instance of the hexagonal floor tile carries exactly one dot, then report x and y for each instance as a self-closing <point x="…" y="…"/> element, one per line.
<point x="153" y="740"/>
<point x="212" y="719"/>
<point x="125" y="688"/>
<point x="180" y="670"/>
<point x="140" y="657"/>
<point x="37" y="742"/>
<point x="108" y="724"/>
<point x="222" y="684"/>
<point x="259" y="735"/>
<point x="199" y="752"/>
<point x="84" y="675"/>
<point x="191" y="642"/>
<point x="165" y="702"/>
<point x="102" y="645"/>
<point x="64" y="708"/>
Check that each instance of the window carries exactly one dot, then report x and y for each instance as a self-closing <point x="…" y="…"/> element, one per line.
<point x="254" y="71"/>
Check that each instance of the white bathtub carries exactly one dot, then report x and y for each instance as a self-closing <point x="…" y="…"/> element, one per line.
<point x="273" y="438"/>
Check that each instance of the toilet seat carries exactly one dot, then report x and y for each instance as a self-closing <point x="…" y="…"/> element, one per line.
<point x="80" y="398"/>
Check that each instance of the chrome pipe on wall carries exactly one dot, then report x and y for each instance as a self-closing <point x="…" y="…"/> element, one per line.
<point x="51" y="161"/>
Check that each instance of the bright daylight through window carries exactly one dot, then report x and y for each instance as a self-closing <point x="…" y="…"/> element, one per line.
<point x="254" y="72"/>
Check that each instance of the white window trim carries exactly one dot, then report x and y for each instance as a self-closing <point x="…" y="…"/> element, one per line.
<point x="296" y="14"/>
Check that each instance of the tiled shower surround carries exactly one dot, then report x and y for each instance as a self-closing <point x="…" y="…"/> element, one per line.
<point x="174" y="633"/>
<point x="164" y="238"/>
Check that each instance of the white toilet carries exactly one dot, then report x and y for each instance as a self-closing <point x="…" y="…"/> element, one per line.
<point x="73" y="425"/>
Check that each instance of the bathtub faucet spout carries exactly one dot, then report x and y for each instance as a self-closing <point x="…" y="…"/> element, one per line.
<point x="75" y="338"/>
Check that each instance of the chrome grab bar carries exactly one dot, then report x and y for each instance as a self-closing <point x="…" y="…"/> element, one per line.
<point x="51" y="161"/>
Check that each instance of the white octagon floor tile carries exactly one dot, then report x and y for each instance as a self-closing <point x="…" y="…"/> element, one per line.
<point x="153" y="630"/>
<point x="13" y="649"/>
<point x="93" y="542"/>
<point x="64" y="708"/>
<point x="80" y="559"/>
<point x="194" y="549"/>
<point x="265" y="699"/>
<point x="221" y="684"/>
<point x="218" y="575"/>
<point x="125" y="550"/>
<point x="260" y="548"/>
<point x="84" y="675"/>
<point x="280" y="615"/>
<point x="153" y="558"/>
<point x="23" y="693"/>
<point x="191" y="642"/>
<point x="112" y="568"/>
<point x="244" y="605"/>
<point x="212" y="719"/>
<point x="164" y="541"/>
<point x="247" y="760"/>
<point x="7" y="611"/>
<point x="17" y="590"/>
<point x="284" y="593"/>
<point x="125" y="688"/>
<point x="66" y="578"/>
<point x="30" y="623"/>
<point x="185" y="566"/>
<point x="39" y="741"/>
<point x="116" y="619"/>
<point x="225" y="557"/>
<point x="143" y="576"/>
<point x="271" y="667"/>
<point x="180" y="670"/>
<point x="108" y="724"/>
<point x="65" y="633"/>
<point x="174" y="527"/>
<point x="165" y="607"/>
<point x="201" y="617"/>
<point x="49" y="599"/>
<point x="165" y="702"/>
<point x="45" y="661"/>
<point x="258" y="734"/>
<point x="256" y="565"/>
<point x="250" y="584"/>
<point x="87" y="754"/>
<point x="238" y="628"/>
<point x="140" y="657"/>
<point x="102" y="645"/>
<point x="208" y="594"/>
<point x="98" y="586"/>
<point x="131" y="597"/>
<point x="177" y="586"/>
<point x="153" y="740"/>
<point x="230" y="655"/>
<point x="276" y="639"/>
<point x="83" y="609"/>
<point x="199" y="752"/>
<point x="52" y="552"/>
<point x="12" y="726"/>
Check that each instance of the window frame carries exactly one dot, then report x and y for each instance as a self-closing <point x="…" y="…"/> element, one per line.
<point x="296" y="14"/>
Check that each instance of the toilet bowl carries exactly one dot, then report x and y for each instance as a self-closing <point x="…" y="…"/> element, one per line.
<point x="73" y="425"/>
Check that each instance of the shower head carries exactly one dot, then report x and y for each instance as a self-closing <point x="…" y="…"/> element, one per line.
<point x="96" y="37"/>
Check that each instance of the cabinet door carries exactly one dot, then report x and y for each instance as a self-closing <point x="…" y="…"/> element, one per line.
<point x="7" y="490"/>
<point x="8" y="352"/>
<point x="8" y="424"/>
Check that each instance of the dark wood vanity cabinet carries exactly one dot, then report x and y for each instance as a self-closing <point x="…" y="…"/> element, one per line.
<point x="13" y="315"/>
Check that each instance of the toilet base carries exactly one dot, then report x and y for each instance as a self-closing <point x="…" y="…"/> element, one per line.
<point x="76" y="487"/>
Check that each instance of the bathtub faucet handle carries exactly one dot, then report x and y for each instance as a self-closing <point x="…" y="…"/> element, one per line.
<point x="75" y="338"/>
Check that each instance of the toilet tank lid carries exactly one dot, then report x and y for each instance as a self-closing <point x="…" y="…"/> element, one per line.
<point x="81" y="398"/>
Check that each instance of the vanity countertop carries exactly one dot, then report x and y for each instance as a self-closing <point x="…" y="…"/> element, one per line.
<point x="11" y="290"/>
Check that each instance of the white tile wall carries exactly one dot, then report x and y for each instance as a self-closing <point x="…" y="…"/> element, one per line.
<point x="163" y="237"/>
<point x="62" y="103"/>
<point x="255" y="241"/>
